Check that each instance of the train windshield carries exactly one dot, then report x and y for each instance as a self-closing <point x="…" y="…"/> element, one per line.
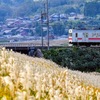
<point x="70" y="34"/>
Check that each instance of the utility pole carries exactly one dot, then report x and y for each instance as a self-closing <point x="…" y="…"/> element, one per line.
<point x="42" y="29"/>
<point x="43" y="16"/>
<point x="47" y="16"/>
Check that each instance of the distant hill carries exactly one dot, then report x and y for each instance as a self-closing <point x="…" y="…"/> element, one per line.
<point x="15" y="8"/>
<point x="92" y="9"/>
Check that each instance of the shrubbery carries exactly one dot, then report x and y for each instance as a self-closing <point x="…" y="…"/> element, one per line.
<point x="83" y="59"/>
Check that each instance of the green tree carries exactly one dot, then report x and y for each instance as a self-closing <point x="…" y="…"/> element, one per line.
<point x="5" y="11"/>
<point x="92" y="9"/>
<point x="58" y="28"/>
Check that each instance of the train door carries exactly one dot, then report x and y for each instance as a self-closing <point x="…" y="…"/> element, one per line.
<point x="76" y="37"/>
<point x="85" y="37"/>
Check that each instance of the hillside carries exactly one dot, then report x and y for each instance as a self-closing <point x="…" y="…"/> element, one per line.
<point x="16" y="8"/>
<point x="41" y="79"/>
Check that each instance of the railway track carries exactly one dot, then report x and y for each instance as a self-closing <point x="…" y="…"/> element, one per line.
<point x="19" y="44"/>
<point x="26" y="44"/>
<point x="37" y="43"/>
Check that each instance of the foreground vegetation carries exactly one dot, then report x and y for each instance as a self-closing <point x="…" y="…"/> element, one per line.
<point x="83" y="59"/>
<point x="40" y="79"/>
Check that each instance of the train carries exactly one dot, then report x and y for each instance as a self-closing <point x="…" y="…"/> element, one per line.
<point x="84" y="37"/>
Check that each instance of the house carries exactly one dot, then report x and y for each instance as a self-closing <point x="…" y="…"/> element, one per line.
<point x="55" y="17"/>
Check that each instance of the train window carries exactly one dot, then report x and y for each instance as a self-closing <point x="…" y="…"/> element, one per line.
<point x="86" y="34"/>
<point x="76" y="34"/>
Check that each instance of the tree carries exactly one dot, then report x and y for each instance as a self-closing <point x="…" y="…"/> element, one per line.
<point x="5" y="11"/>
<point x="92" y="9"/>
<point x="58" y="28"/>
<point x="6" y="1"/>
<point x="25" y="9"/>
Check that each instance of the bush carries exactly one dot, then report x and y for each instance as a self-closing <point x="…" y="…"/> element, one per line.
<point x="83" y="59"/>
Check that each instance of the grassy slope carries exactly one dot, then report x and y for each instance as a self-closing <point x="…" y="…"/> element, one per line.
<point x="27" y="78"/>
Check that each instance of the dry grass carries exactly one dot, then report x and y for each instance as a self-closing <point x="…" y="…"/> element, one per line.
<point x="90" y="78"/>
<point x="27" y="78"/>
